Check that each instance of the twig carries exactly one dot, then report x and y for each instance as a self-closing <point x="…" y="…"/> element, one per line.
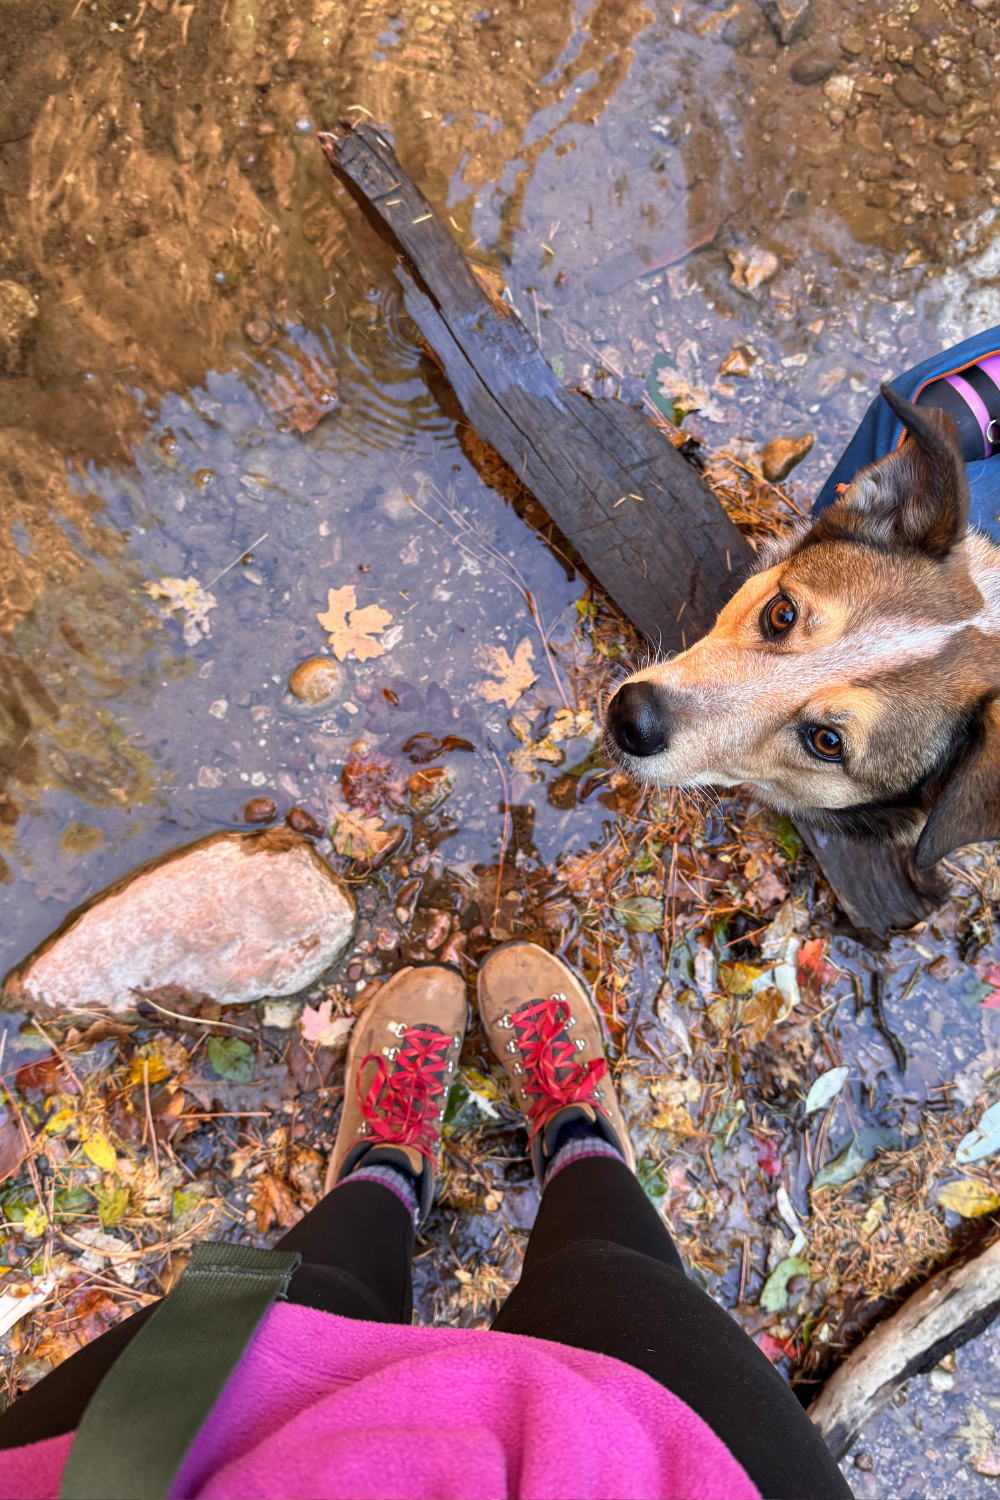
<point x="236" y="560"/>
<point x="506" y="830"/>
<point x="194" y="1020"/>
<point x="58" y="1052"/>
<point x="149" y="1118"/>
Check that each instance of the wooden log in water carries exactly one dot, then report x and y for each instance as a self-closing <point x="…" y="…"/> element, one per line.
<point x="645" y="524"/>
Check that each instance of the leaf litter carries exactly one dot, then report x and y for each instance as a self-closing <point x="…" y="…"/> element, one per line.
<point x="708" y="938"/>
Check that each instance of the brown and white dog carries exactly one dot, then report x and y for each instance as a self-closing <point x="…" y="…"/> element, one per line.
<point x="854" y="679"/>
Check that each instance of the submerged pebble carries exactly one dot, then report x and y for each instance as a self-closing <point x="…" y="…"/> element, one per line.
<point x="316" y="679"/>
<point x="259" y="810"/>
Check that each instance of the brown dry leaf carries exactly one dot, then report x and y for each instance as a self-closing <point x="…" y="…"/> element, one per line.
<point x="305" y="393"/>
<point x="11" y="1148"/>
<point x="514" y="677"/>
<point x="240" y="1159"/>
<point x="271" y="1200"/>
<point x="760" y="1013"/>
<point x="357" y="836"/>
<point x="306" y="1174"/>
<point x="354" y="634"/>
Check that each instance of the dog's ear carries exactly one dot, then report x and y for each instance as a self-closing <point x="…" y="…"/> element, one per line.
<point x="968" y="810"/>
<point x="917" y="496"/>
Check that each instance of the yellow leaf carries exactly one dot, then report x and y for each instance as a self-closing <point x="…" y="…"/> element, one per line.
<point x="567" y="725"/>
<point x="60" y="1122"/>
<point x="100" y="1150"/>
<point x="873" y="1218"/>
<point x="158" y="1069"/>
<point x="738" y="978"/>
<point x="34" y="1223"/>
<point x="354" y="634"/>
<point x="676" y="1119"/>
<point x="514" y="677"/>
<point x="357" y="836"/>
<point x="760" y="1013"/>
<point x="968" y="1198"/>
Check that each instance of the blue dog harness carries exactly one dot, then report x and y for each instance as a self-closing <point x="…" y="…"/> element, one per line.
<point x="965" y="382"/>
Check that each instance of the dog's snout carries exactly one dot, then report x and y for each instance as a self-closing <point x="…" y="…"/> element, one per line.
<point x="637" y="719"/>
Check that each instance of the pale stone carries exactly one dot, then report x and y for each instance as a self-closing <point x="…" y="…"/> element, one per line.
<point x="737" y="362"/>
<point x="235" y="918"/>
<point x="316" y="680"/>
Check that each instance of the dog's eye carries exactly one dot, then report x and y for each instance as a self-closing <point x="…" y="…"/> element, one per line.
<point x="826" y="743"/>
<point x="779" y="616"/>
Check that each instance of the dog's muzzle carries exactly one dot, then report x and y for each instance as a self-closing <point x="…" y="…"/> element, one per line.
<point x="637" y="719"/>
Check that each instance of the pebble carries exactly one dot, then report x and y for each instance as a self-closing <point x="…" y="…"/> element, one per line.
<point x="18" y="312"/>
<point x="813" y="64"/>
<point x="303" y="822"/>
<point x="839" y="90"/>
<point x="737" y="362"/>
<point x="752" y="268"/>
<point x="316" y="679"/>
<point x="259" y="810"/>
<point x="790" y="18"/>
<point x="782" y="454"/>
<point x="233" y="919"/>
<point x="257" y="331"/>
<point x="864" y="1462"/>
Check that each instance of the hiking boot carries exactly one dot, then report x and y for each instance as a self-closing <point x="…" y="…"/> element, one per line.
<point x="543" y="1027"/>
<point x="402" y="1060"/>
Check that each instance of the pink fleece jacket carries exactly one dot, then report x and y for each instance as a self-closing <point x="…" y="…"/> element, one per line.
<point x="334" y="1407"/>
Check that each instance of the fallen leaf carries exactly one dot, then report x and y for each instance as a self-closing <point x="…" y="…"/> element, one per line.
<point x="813" y="967"/>
<point x="845" y="1166"/>
<point x="873" y="1218"/>
<point x="640" y="913"/>
<point x="980" y="1439"/>
<point x="737" y="978"/>
<point x="357" y="836"/>
<point x="186" y="596"/>
<point x="429" y="787"/>
<point x="112" y="1207"/>
<point x="240" y="1159"/>
<point x="306" y="1175"/>
<point x="318" y="1027"/>
<point x="232" y="1058"/>
<point x="367" y="782"/>
<point x="825" y="1089"/>
<point x="100" y="1150"/>
<point x="771" y="1347"/>
<point x="11" y="1148"/>
<point x="760" y="1013"/>
<point x="354" y="633"/>
<point x="983" y="1140"/>
<point x="514" y="677"/>
<point x="768" y="1157"/>
<point x="676" y="1119"/>
<point x="774" y="1297"/>
<point x="769" y="889"/>
<point x="968" y="1198"/>
<point x="272" y="1201"/>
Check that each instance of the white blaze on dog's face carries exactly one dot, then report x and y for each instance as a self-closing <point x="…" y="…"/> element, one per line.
<point x="852" y="671"/>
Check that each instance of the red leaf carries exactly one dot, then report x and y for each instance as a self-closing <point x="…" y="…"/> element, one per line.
<point x="768" y="1157"/>
<point x="813" y="964"/>
<point x="992" y="1002"/>
<point x="769" y="1346"/>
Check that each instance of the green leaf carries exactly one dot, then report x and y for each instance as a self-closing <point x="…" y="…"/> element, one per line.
<point x="786" y="837"/>
<point x="846" y="1165"/>
<point x="71" y="1201"/>
<point x="774" y="1297"/>
<point x="640" y="913"/>
<point x="651" y="1179"/>
<point x="558" y="364"/>
<point x="232" y="1058"/>
<point x="112" y="1207"/>
<point x="825" y="1089"/>
<point x="182" y="1202"/>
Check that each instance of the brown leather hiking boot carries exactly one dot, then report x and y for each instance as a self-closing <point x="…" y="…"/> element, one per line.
<point x="402" y="1060"/>
<point x="543" y="1027"/>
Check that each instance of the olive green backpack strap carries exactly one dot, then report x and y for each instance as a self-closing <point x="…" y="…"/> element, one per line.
<point x="155" y="1399"/>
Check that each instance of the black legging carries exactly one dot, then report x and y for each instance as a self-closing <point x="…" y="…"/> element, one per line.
<point x="600" y="1273"/>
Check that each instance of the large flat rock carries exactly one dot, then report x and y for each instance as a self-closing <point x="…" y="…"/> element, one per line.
<point x="233" y="918"/>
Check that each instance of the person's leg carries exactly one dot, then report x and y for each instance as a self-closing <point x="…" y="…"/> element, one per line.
<point x="357" y="1243"/>
<point x="601" y="1271"/>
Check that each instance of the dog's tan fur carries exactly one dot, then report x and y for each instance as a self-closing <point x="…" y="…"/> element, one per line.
<point x="896" y="646"/>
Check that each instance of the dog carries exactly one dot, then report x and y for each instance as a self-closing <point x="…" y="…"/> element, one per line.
<point x="853" y="681"/>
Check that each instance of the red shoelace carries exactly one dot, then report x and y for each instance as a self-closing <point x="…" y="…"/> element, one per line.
<point x="548" y="1056"/>
<point x="402" y="1100"/>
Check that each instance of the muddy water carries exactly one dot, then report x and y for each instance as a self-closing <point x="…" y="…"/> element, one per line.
<point x="213" y="411"/>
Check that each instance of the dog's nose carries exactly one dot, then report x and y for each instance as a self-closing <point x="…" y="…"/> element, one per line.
<point x="637" y="719"/>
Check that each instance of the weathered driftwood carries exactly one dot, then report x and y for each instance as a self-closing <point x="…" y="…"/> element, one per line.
<point x="670" y="559"/>
<point x="584" y="461"/>
<point x="950" y="1309"/>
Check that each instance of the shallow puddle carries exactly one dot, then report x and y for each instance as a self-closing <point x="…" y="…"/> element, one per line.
<point x="215" y="413"/>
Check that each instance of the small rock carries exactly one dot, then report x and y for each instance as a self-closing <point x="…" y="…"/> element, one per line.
<point x="18" y="313"/>
<point x="813" y="64"/>
<point x="788" y="17"/>
<point x="303" y="822"/>
<point x="738" y="361"/>
<point x="259" y="810"/>
<point x="316" y="679"/>
<point x="839" y="90"/>
<point x="864" y="1462"/>
<point x="941" y="1381"/>
<point x="257" y="331"/>
<point x="910" y="91"/>
<point x="236" y="917"/>
<point x="752" y="268"/>
<point x="281" y="1014"/>
<point x="782" y="454"/>
<point x="741" y="25"/>
<point x="852" y="41"/>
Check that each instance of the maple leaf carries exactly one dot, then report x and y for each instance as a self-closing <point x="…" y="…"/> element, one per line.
<point x="354" y="633"/>
<point x="357" y="836"/>
<point x="318" y="1027"/>
<point x="513" y="677"/>
<point x="271" y="1200"/>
